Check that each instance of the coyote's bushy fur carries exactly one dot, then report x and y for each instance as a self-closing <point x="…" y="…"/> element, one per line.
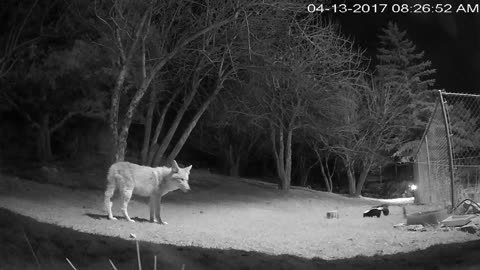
<point x="144" y="181"/>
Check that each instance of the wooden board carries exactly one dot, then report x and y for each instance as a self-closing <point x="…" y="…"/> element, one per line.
<point x="458" y="220"/>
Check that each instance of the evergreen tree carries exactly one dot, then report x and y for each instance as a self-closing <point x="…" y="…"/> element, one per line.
<point x="407" y="79"/>
<point x="399" y="63"/>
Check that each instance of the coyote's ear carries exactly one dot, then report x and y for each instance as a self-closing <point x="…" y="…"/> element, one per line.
<point x="175" y="166"/>
<point x="188" y="168"/>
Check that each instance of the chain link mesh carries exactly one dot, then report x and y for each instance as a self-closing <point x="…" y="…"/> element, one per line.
<point x="432" y="162"/>
<point x="464" y="121"/>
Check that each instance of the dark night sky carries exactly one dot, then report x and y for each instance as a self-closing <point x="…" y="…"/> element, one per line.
<point x="450" y="41"/>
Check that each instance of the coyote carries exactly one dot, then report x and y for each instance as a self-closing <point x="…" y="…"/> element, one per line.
<point x="144" y="181"/>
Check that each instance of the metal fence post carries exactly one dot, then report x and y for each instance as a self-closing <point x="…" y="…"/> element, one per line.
<point x="449" y="145"/>
<point x="428" y="167"/>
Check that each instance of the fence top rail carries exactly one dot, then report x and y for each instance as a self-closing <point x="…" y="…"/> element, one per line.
<point x="460" y="94"/>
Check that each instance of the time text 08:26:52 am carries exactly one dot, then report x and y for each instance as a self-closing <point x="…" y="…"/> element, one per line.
<point x="394" y="8"/>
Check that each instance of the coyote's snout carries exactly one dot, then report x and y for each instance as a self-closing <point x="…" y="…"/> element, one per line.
<point x="144" y="181"/>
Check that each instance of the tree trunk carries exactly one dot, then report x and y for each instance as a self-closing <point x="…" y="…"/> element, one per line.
<point x="114" y="107"/>
<point x="121" y="148"/>
<point x="234" y="168"/>
<point x="288" y="159"/>
<point x="237" y="154"/>
<point x="173" y="128"/>
<point x="148" y="126"/>
<point x="363" y="176"/>
<point x="158" y="129"/>
<point x="325" y="170"/>
<point x="281" y="161"/>
<point x="283" y="157"/>
<point x="278" y="155"/>
<point x="326" y="178"/>
<point x="331" y="172"/>
<point x="299" y="169"/>
<point x="233" y="160"/>
<point x="351" y="178"/>
<point x="186" y="133"/>
<point x="48" y="146"/>
<point x="304" y="178"/>
<point x="121" y="144"/>
<point x="44" y="149"/>
<point x="127" y="121"/>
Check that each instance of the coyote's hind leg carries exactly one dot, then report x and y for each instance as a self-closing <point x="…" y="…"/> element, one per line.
<point x="108" y="198"/>
<point x="126" y="194"/>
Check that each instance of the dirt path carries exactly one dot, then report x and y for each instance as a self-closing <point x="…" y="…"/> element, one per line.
<point x="226" y="213"/>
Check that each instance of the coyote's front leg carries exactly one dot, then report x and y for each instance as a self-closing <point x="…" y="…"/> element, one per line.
<point x="158" y="200"/>
<point x="155" y="209"/>
<point x="152" y="206"/>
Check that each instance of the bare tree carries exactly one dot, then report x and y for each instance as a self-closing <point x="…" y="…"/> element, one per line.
<point x="42" y="92"/>
<point x="15" y="41"/>
<point x="225" y="134"/>
<point x="305" y="62"/>
<point x="304" y="161"/>
<point x="222" y="72"/>
<point x="324" y="157"/>
<point x="128" y="25"/>
<point x="366" y="130"/>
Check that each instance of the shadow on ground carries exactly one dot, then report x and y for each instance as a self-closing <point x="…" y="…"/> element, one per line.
<point x="98" y="217"/>
<point x="21" y="237"/>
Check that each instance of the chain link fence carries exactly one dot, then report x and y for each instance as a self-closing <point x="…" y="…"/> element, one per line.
<point x="447" y="168"/>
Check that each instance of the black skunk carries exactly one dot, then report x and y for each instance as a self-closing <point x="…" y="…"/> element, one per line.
<point x="372" y="212"/>
<point x="376" y="211"/>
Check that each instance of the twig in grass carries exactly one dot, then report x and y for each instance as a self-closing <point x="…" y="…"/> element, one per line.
<point x="31" y="249"/>
<point x="138" y="256"/>
<point x="71" y="264"/>
<point x="113" y="265"/>
<point x="183" y="266"/>
<point x="155" y="262"/>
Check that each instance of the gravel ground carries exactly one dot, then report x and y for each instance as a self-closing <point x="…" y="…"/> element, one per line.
<point x="230" y="213"/>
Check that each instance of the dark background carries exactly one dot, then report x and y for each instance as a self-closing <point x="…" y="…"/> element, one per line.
<point x="450" y="41"/>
